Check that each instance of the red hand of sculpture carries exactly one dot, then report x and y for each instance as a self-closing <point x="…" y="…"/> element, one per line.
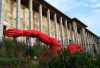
<point x="17" y="33"/>
<point x="13" y="33"/>
<point x="74" y="48"/>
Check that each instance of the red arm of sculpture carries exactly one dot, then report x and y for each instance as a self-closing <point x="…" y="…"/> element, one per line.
<point x="52" y="42"/>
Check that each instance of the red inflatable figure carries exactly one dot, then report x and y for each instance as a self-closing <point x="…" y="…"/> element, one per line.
<point x="55" y="46"/>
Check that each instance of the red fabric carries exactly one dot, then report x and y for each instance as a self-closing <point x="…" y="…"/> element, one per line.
<point x="74" y="48"/>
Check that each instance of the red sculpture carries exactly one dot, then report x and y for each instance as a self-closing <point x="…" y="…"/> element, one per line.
<point x="74" y="48"/>
<point x="55" y="46"/>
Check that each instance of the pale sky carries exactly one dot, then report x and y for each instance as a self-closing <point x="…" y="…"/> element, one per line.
<point x="87" y="11"/>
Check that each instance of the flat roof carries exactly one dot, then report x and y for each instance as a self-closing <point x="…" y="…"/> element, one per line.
<point x="45" y="3"/>
<point x="92" y="33"/>
<point x="78" y="21"/>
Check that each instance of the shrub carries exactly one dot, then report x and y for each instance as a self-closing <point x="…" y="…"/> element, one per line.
<point x="77" y="60"/>
<point x="18" y="55"/>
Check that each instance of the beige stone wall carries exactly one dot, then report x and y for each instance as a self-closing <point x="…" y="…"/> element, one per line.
<point x="10" y="18"/>
<point x="45" y="25"/>
<point x="58" y="31"/>
<point x="52" y="28"/>
<point x="68" y="35"/>
<point x="24" y="18"/>
<point x="63" y="34"/>
<point x="79" y="39"/>
<point x="36" y="21"/>
<point x="8" y="13"/>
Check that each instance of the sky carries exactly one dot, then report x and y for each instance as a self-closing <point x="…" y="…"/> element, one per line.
<point x="87" y="11"/>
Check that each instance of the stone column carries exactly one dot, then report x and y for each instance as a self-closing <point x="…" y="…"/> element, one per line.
<point x="30" y="13"/>
<point x="61" y="31"/>
<point x="70" y="31"/>
<point x="96" y="48"/>
<point x="40" y="21"/>
<point x="75" y="30"/>
<point x="48" y="16"/>
<point x="67" y="35"/>
<point x="97" y="41"/>
<point x="90" y="46"/>
<point x="18" y="14"/>
<point x="92" y="39"/>
<point x="18" y="10"/>
<point x="87" y="43"/>
<point x="84" y="37"/>
<point x="30" y="18"/>
<point x="1" y="19"/>
<point x="55" y="20"/>
<point x="40" y="17"/>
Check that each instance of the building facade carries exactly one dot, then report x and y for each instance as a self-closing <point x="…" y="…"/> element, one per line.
<point x="41" y="16"/>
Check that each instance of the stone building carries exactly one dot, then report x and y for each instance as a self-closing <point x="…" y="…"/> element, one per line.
<point x="41" y="16"/>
